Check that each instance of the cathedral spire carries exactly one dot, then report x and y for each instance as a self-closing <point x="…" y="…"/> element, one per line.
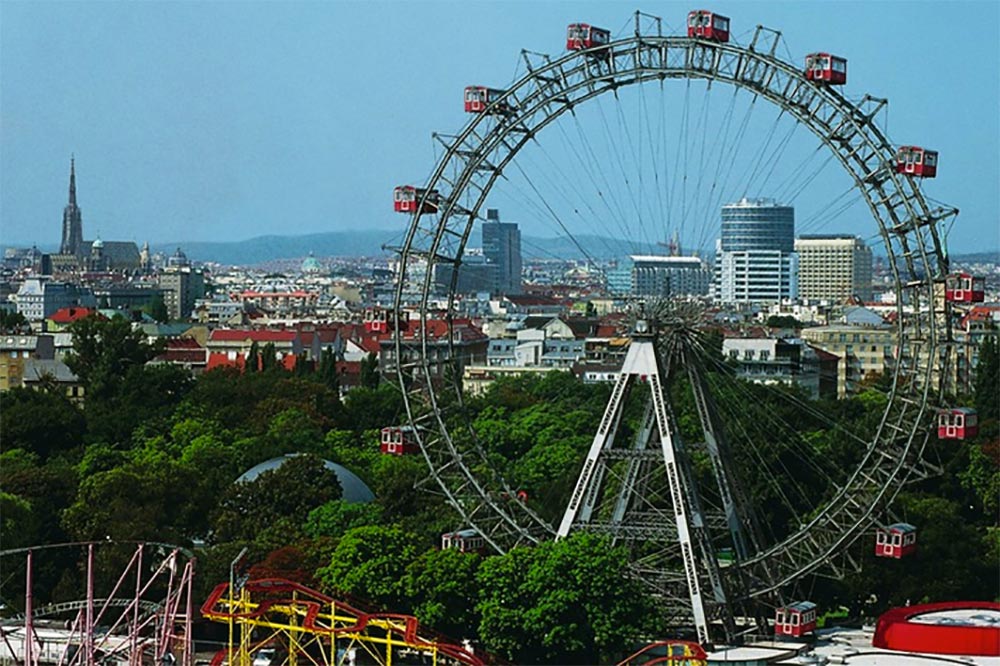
<point x="72" y="180"/>
<point x="72" y="228"/>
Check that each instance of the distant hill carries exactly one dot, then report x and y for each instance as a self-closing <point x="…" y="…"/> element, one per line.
<point x="267" y="248"/>
<point x="369" y="244"/>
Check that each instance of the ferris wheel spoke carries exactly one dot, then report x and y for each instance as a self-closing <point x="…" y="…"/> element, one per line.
<point x="719" y="145"/>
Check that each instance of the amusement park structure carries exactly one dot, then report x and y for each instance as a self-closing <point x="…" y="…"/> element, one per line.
<point x="308" y="627"/>
<point x="145" y="618"/>
<point x="675" y="525"/>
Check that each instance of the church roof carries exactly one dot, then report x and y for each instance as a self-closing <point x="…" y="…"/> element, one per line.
<point x="120" y="254"/>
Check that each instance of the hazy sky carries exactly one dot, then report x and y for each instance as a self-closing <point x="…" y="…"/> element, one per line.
<point x="228" y="120"/>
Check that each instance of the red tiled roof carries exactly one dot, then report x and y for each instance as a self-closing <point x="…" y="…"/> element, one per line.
<point x="437" y="329"/>
<point x="238" y="335"/>
<point x="606" y="331"/>
<point x="221" y="359"/>
<point x="190" y="356"/>
<point x="183" y="343"/>
<point x="71" y="314"/>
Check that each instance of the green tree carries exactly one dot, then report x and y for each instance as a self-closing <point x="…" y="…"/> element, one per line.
<point x="395" y="480"/>
<point x="144" y="499"/>
<point x="104" y="349"/>
<point x="783" y="321"/>
<point x="982" y="476"/>
<point x="988" y="379"/>
<point x="373" y="409"/>
<point x="369" y="371"/>
<point x="18" y="523"/>
<point x="443" y="589"/>
<point x="327" y="371"/>
<point x="12" y="321"/>
<point x="303" y="366"/>
<point x="247" y="403"/>
<point x="47" y="488"/>
<point x="288" y="562"/>
<point x="253" y="358"/>
<point x="369" y="563"/>
<point x="157" y="309"/>
<point x="335" y="518"/>
<point x="269" y="358"/>
<point x="271" y="509"/>
<point x="954" y="560"/>
<point x="142" y="395"/>
<point x="567" y="602"/>
<point x="44" y="422"/>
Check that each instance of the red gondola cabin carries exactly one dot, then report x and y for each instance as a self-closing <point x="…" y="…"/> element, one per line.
<point x="797" y="619"/>
<point x="964" y="288"/>
<point x="398" y="441"/>
<point x="916" y="161"/>
<point x="377" y="320"/>
<point x="406" y="197"/>
<point x="704" y="24"/>
<point x="479" y="98"/>
<point x="896" y="541"/>
<point x="465" y="541"/>
<point x="826" y="68"/>
<point x="581" y="36"/>
<point x="958" y="423"/>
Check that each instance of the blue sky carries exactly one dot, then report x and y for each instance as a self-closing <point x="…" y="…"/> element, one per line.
<point x="228" y="120"/>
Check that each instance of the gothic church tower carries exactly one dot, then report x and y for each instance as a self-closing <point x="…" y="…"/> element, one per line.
<point x="72" y="229"/>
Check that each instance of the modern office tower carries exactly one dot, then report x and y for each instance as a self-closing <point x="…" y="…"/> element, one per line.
<point x="502" y="249"/>
<point x="475" y="275"/>
<point x="834" y="267"/>
<point x="755" y="257"/>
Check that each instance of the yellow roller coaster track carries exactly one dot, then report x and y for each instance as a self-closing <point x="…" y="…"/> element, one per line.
<point x="304" y="627"/>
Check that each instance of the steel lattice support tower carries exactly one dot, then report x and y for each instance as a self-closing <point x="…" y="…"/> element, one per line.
<point x="619" y="489"/>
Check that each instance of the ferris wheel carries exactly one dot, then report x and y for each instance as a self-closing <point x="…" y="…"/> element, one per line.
<point x="641" y="487"/>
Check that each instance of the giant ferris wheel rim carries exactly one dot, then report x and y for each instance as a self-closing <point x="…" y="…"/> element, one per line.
<point x="545" y="93"/>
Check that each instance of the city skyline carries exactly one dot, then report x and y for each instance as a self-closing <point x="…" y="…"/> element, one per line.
<point x="227" y="142"/>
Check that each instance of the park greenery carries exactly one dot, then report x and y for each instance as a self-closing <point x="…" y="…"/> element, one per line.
<point x="152" y="454"/>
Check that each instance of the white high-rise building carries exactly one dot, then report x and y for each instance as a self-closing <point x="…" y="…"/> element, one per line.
<point x="755" y="257"/>
<point x="658" y="275"/>
<point x="834" y="267"/>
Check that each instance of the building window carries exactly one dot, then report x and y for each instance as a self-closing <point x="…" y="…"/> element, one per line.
<point x="765" y="355"/>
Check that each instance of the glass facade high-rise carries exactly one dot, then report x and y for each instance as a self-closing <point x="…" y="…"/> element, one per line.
<point x="755" y="258"/>
<point x="757" y="224"/>
<point x="502" y="249"/>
